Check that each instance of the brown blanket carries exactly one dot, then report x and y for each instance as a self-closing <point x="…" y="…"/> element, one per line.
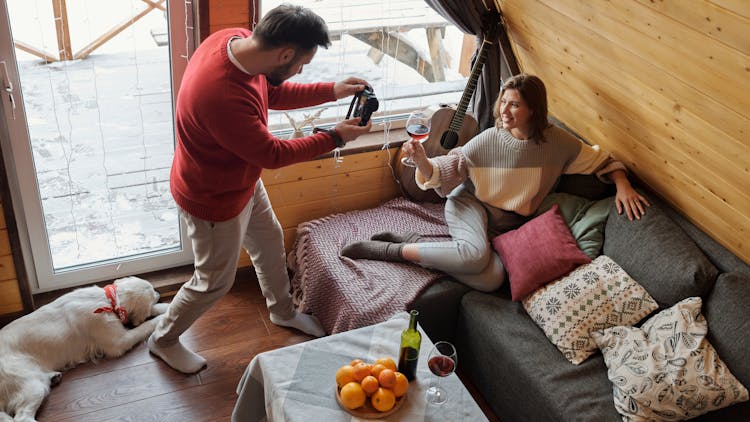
<point x="345" y="293"/>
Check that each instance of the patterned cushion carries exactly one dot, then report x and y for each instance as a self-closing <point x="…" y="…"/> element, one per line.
<point x="593" y="297"/>
<point x="666" y="369"/>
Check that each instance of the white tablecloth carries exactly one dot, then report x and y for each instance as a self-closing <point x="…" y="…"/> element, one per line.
<point x="297" y="383"/>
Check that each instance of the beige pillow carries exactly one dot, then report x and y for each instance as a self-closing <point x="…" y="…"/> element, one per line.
<point x="667" y="369"/>
<point x="592" y="297"/>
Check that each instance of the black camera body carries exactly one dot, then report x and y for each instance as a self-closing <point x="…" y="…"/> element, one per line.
<point x="364" y="104"/>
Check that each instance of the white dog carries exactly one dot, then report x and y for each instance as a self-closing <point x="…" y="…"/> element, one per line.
<point x="79" y="326"/>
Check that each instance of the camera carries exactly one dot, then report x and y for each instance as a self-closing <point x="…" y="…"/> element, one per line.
<point x="364" y="104"/>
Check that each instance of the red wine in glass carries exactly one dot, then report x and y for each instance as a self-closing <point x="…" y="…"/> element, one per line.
<point x="418" y="127"/>
<point x="441" y="366"/>
<point x="418" y="131"/>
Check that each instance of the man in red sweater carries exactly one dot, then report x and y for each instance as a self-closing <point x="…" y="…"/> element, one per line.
<point x="223" y="144"/>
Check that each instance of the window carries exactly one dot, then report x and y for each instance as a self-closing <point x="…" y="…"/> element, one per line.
<point x="404" y="49"/>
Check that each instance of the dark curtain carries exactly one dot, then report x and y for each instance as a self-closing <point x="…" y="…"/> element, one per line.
<point x="468" y="18"/>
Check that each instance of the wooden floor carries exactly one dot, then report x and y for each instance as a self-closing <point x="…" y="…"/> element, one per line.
<point x="140" y="387"/>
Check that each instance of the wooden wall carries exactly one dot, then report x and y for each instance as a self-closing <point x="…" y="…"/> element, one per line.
<point x="663" y="84"/>
<point x="220" y="14"/>
<point x="10" y="295"/>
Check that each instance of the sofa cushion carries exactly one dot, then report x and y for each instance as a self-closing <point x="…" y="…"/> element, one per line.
<point x="593" y="297"/>
<point x="728" y="315"/>
<point x="586" y="219"/>
<point x="667" y="368"/>
<point x="538" y="252"/>
<point x="520" y="373"/>
<point x="658" y="253"/>
<point x="438" y="307"/>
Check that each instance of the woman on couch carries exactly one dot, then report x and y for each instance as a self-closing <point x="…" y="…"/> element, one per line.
<point x="495" y="183"/>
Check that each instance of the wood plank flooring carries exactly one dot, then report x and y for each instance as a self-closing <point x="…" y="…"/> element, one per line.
<point x="140" y="387"/>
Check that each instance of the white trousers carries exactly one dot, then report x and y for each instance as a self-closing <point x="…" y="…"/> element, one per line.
<point x="216" y="246"/>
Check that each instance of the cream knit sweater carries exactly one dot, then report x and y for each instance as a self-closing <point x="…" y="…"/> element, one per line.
<point x="513" y="174"/>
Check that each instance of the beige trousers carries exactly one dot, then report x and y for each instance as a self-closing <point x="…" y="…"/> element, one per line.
<point x="216" y="246"/>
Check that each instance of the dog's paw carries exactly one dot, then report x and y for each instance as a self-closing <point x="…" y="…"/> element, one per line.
<point x="159" y="308"/>
<point x="55" y="378"/>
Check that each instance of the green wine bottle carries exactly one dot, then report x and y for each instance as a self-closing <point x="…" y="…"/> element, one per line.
<point x="411" y="339"/>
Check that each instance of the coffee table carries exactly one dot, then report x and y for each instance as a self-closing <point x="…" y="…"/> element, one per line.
<point x="297" y="383"/>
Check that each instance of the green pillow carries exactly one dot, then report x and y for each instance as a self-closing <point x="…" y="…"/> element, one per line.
<point x="585" y="218"/>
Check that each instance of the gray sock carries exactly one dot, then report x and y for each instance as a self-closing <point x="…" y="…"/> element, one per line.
<point x="408" y="237"/>
<point x="374" y="249"/>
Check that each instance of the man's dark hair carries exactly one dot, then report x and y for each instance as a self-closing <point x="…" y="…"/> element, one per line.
<point x="289" y="25"/>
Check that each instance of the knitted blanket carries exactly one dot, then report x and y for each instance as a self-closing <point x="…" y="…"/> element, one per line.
<point x="344" y="293"/>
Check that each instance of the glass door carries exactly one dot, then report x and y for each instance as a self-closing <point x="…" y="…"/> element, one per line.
<point x="88" y="98"/>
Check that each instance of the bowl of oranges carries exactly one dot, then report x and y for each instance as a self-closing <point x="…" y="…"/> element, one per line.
<point x="371" y="390"/>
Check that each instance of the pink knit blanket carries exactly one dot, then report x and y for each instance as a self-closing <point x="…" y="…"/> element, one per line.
<point x="345" y="293"/>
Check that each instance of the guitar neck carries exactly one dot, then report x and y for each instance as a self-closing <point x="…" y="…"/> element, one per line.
<point x="471" y="85"/>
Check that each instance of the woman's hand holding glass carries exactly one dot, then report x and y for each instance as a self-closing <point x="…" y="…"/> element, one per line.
<point x="418" y="128"/>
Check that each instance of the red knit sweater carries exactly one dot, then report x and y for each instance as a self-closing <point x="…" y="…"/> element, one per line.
<point x="223" y="141"/>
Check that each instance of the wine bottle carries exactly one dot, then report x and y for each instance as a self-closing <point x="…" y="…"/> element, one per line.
<point x="410" y="342"/>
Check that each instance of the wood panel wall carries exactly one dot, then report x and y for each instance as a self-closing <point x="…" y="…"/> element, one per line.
<point x="10" y="294"/>
<point x="663" y="84"/>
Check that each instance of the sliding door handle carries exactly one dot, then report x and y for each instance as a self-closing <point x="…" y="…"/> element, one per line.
<point x="8" y="87"/>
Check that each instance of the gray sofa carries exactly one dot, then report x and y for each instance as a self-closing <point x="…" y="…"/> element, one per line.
<point x="523" y="376"/>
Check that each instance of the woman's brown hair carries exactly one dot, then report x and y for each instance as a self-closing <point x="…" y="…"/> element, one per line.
<point x="533" y="92"/>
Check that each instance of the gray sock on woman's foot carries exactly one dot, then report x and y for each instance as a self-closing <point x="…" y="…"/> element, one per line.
<point x="408" y="237"/>
<point x="374" y="249"/>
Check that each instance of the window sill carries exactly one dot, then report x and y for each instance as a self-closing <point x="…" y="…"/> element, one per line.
<point x="372" y="141"/>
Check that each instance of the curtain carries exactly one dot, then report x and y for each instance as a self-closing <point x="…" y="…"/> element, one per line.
<point x="468" y="18"/>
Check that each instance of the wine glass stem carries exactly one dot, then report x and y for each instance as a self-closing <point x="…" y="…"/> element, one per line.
<point x="438" y="391"/>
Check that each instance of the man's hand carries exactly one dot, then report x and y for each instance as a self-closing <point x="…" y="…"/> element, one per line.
<point x="348" y="87"/>
<point x="350" y="129"/>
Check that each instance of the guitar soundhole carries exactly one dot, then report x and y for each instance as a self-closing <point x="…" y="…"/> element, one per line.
<point x="449" y="139"/>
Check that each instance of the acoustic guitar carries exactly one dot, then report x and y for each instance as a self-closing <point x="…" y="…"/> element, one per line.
<point x="449" y="127"/>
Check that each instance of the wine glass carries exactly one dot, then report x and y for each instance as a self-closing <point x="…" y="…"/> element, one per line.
<point x="418" y="127"/>
<point x="442" y="362"/>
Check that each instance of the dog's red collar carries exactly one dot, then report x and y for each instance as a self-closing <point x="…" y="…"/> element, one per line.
<point x="111" y="291"/>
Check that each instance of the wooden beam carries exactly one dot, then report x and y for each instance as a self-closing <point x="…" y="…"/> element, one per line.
<point x="60" y="13"/>
<point x="468" y="47"/>
<point x="155" y="5"/>
<point x="437" y="52"/>
<point x="85" y="51"/>
<point x="48" y="57"/>
<point x="399" y="47"/>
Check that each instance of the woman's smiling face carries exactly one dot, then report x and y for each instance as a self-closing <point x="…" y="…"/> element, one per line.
<point x="515" y="114"/>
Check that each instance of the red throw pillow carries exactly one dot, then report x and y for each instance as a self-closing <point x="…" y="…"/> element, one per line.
<point x="538" y="252"/>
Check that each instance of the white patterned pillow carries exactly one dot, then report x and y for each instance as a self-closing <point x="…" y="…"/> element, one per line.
<point x="592" y="297"/>
<point x="666" y="369"/>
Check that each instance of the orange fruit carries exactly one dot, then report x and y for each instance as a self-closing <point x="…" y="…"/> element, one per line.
<point x="387" y="378"/>
<point x="376" y="369"/>
<point x="356" y="361"/>
<point x="352" y="395"/>
<point x="383" y="400"/>
<point x="401" y="385"/>
<point x="370" y="384"/>
<point x="344" y="375"/>
<point x="387" y="362"/>
<point x="361" y="370"/>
